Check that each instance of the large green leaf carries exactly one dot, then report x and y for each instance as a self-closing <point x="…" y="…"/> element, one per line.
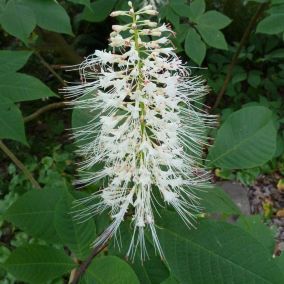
<point x="271" y="25"/>
<point x="34" y="213"/>
<point x="18" y="20"/>
<point x="258" y="230"/>
<point x="11" y="61"/>
<point x="21" y="87"/>
<point x="215" y="252"/>
<point x="194" y="46"/>
<point x="50" y="15"/>
<point x="11" y="121"/>
<point x="110" y="270"/>
<point x="247" y="139"/>
<point x="216" y="200"/>
<point x="77" y="236"/>
<point x="38" y="264"/>
<point x="212" y="36"/>
<point x="214" y="19"/>
<point x="99" y="10"/>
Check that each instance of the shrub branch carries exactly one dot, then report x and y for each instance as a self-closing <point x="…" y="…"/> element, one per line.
<point x="235" y="57"/>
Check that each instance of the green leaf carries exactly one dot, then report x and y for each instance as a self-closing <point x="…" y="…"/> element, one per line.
<point x="275" y="54"/>
<point x="258" y="230"/>
<point x="277" y="2"/>
<point x="197" y="8"/>
<point x="18" y="20"/>
<point x="216" y="200"/>
<point x="254" y="78"/>
<point x="194" y="46"/>
<point x="172" y="16"/>
<point x="271" y="25"/>
<point x="38" y="264"/>
<point x="99" y="10"/>
<point x="34" y="213"/>
<point x="99" y="272"/>
<point x="21" y="87"/>
<point x="212" y="37"/>
<point x="170" y="280"/>
<point x="214" y="19"/>
<point x="11" y="61"/>
<point x="247" y="139"/>
<point x="216" y="252"/>
<point x="50" y="16"/>
<point x="77" y="236"/>
<point x="11" y="121"/>
<point x="181" y="9"/>
<point x="239" y="77"/>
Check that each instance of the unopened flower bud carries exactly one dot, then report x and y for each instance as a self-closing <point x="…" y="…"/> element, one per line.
<point x="151" y="12"/>
<point x="153" y="33"/>
<point x="119" y="28"/>
<point x="152" y="24"/>
<point x="117" y="13"/>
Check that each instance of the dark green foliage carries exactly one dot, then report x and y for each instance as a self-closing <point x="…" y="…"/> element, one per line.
<point x="42" y="242"/>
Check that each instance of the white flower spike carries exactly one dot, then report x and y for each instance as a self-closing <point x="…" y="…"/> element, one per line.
<point x="148" y="129"/>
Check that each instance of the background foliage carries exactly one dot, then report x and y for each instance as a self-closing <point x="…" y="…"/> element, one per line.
<point x="241" y="45"/>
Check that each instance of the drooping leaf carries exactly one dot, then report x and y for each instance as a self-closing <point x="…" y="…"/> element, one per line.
<point x="12" y="61"/>
<point x="170" y="15"/>
<point x="212" y="37"/>
<point x="247" y="139"/>
<point x="273" y="24"/>
<point x="181" y="9"/>
<point x="109" y="270"/>
<point x="34" y="213"/>
<point x="18" y="20"/>
<point x="38" y="264"/>
<point x="21" y="87"/>
<point x="215" y="252"/>
<point x="214" y="19"/>
<point x="78" y="236"/>
<point x="50" y="16"/>
<point x="197" y="8"/>
<point x="11" y="121"/>
<point x="194" y="46"/>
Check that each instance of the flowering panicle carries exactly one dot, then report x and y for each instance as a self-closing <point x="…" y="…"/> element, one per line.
<point x="147" y="131"/>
